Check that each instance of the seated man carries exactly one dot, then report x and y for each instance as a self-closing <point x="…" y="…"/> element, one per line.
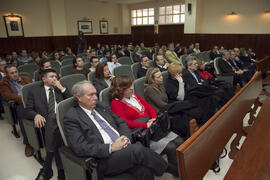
<point x="2" y="68"/>
<point x="78" y="63"/>
<point x="161" y="63"/>
<point x="92" y="129"/>
<point x="144" y="65"/>
<point x="24" y="58"/>
<point x="214" y="53"/>
<point x="191" y="76"/>
<point x="40" y="107"/>
<point x="106" y="56"/>
<point x="94" y="62"/>
<point x="226" y="67"/>
<point x="43" y="64"/>
<point x="11" y="89"/>
<point x="171" y="55"/>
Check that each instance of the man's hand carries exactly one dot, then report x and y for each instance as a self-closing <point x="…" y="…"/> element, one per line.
<point x="58" y="85"/>
<point x="120" y="143"/>
<point x="39" y="121"/>
<point x="111" y="77"/>
<point x="166" y="65"/>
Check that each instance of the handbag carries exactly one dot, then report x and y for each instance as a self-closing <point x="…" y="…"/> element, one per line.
<point x="158" y="130"/>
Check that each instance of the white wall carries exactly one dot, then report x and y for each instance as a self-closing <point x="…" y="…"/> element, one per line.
<point x="78" y="9"/>
<point x="35" y="16"/>
<point x="213" y="17"/>
<point x="59" y="17"/>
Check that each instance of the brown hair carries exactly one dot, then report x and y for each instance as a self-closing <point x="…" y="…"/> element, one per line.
<point x="119" y="85"/>
<point x="100" y="70"/>
<point x="150" y="75"/>
<point x="174" y="68"/>
<point x="200" y="63"/>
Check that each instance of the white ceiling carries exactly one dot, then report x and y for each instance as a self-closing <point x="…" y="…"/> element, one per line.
<point x="124" y="1"/>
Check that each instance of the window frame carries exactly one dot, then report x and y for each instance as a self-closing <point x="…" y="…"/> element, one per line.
<point x="172" y="14"/>
<point x="143" y="16"/>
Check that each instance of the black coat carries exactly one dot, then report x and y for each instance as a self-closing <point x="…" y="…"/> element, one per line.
<point x="141" y="72"/>
<point x="190" y="81"/>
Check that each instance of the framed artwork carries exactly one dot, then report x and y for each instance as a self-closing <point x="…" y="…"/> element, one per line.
<point x="85" y="27"/>
<point x="14" y="26"/>
<point x="103" y="27"/>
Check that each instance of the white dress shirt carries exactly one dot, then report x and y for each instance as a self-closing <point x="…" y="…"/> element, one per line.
<point x="47" y="95"/>
<point x="105" y="136"/>
<point x="133" y="101"/>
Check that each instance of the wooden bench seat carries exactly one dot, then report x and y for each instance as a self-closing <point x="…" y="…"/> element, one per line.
<point x="199" y="152"/>
<point x="252" y="161"/>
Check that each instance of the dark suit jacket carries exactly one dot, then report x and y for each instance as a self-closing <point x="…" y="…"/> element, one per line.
<point x="99" y="84"/>
<point x="224" y="67"/>
<point x="190" y="81"/>
<point x="82" y="134"/>
<point x="37" y="101"/>
<point x="141" y="72"/>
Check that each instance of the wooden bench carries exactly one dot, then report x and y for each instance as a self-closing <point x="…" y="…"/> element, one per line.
<point x="252" y="161"/>
<point x="199" y="152"/>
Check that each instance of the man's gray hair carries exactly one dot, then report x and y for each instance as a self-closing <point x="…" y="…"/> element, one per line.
<point x="189" y="60"/>
<point x="224" y="52"/>
<point x="77" y="88"/>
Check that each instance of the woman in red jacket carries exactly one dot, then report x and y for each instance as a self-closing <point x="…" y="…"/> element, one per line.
<point x="131" y="107"/>
<point x="128" y="105"/>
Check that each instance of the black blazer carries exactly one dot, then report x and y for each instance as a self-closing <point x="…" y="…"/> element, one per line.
<point x="99" y="84"/>
<point x="141" y="72"/>
<point x="37" y="101"/>
<point x="190" y="81"/>
<point x="82" y="134"/>
<point x="224" y="67"/>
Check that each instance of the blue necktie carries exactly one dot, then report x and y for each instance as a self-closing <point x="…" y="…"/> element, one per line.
<point x="105" y="126"/>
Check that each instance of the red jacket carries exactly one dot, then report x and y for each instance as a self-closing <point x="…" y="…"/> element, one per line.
<point x="130" y="113"/>
<point x="205" y="74"/>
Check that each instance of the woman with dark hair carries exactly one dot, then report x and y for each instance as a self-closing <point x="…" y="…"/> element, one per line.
<point x="103" y="77"/>
<point x="132" y="107"/>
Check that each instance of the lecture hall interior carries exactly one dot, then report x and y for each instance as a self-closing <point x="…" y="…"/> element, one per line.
<point x="232" y="143"/>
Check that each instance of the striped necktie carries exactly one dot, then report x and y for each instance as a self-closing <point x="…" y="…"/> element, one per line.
<point x="51" y="104"/>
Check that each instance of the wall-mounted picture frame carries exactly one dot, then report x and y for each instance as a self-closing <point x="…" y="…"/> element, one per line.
<point x="103" y="25"/>
<point x="14" y="25"/>
<point x="85" y="27"/>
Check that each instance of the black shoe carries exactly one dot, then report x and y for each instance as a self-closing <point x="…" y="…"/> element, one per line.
<point x="44" y="175"/>
<point x="61" y="175"/>
<point x="1" y="117"/>
<point x="172" y="170"/>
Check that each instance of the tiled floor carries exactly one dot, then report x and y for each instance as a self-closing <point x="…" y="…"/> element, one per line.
<point x="15" y="166"/>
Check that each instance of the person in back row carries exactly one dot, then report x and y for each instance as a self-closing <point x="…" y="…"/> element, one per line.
<point x="78" y="63"/>
<point x="144" y="65"/>
<point x="94" y="62"/>
<point x="113" y="63"/>
<point x="103" y="77"/>
<point x="171" y="55"/>
<point x="93" y="130"/>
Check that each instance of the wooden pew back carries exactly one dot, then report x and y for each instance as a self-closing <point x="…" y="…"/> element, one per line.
<point x="199" y="152"/>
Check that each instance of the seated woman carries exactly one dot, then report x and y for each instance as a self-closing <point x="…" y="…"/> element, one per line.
<point x="155" y="95"/>
<point x="103" y="78"/>
<point x="131" y="107"/>
<point x="202" y="72"/>
<point x="204" y="100"/>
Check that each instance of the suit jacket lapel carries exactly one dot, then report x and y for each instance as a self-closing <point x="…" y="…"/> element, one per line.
<point x="86" y="119"/>
<point x="43" y="97"/>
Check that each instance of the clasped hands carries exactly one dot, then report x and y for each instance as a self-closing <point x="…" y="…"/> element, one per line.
<point x="120" y="143"/>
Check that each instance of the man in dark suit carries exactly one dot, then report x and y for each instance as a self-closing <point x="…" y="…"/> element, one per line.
<point x="190" y="75"/>
<point x="161" y="64"/>
<point x="226" y="68"/>
<point x="92" y="129"/>
<point x="41" y="104"/>
<point x="144" y="65"/>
